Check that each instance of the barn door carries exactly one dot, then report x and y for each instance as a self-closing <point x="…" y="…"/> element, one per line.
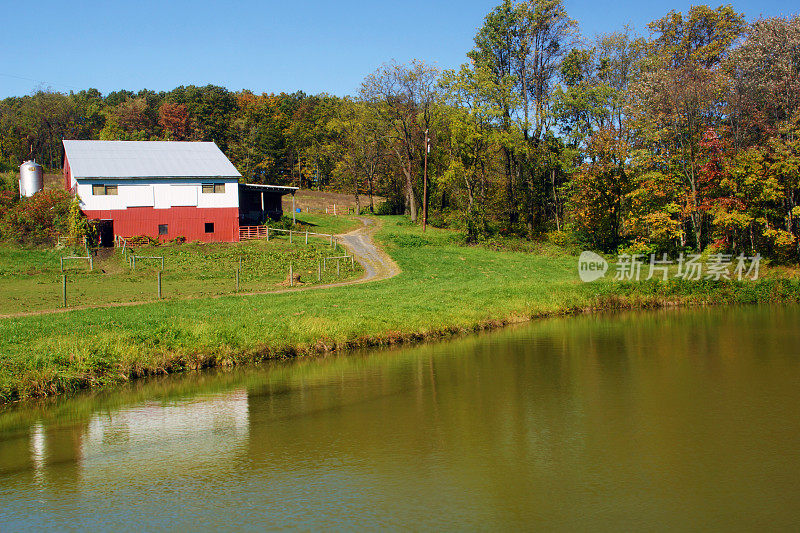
<point x="106" y="233"/>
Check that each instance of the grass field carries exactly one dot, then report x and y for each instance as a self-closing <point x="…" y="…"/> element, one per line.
<point x="31" y="279"/>
<point x="444" y="288"/>
<point x="322" y="223"/>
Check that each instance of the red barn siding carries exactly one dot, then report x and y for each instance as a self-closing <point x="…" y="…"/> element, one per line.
<point x="67" y="176"/>
<point x="186" y="222"/>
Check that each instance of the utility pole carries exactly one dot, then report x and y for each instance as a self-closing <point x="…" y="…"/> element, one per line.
<point x="425" y="185"/>
<point x="299" y="171"/>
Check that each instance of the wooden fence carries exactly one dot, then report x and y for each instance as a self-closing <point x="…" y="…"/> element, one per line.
<point x="263" y="232"/>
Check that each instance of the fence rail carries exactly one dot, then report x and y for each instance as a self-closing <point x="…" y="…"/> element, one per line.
<point x="335" y="209"/>
<point x="263" y="232"/>
<point x="337" y="258"/>
<point x="121" y="242"/>
<point x="133" y="258"/>
<point x="87" y="257"/>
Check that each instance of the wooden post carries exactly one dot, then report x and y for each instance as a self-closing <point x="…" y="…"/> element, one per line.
<point x="306" y="236"/>
<point x="337" y="268"/>
<point x="91" y="262"/>
<point x="291" y="276"/>
<point x="64" y="291"/>
<point x="331" y="240"/>
<point x="290" y="236"/>
<point x="159" y="284"/>
<point x="237" y="279"/>
<point x="319" y="272"/>
<point x="352" y="261"/>
<point x="134" y="262"/>
<point x="334" y="209"/>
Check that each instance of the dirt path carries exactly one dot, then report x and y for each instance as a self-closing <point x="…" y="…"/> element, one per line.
<point x="359" y="242"/>
<point x="377" y="265"/>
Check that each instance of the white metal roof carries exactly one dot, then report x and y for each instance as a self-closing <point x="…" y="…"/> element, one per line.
<point x="147" y="159"/>
<point x="279" y="187"/>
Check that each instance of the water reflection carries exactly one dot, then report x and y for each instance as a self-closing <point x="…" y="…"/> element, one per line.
<point x="171" y="435"/>
<point x="674" y="419"/>
<point x="184" y="434"/>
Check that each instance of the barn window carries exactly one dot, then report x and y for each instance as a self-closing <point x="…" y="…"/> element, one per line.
<point x="163" y="229"/>
<point x="103" y="190"/>
<point x="209" y="227"/>
<point x="210" y="188"/>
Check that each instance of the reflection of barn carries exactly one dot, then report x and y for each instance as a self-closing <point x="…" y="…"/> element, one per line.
<point x="192" y="432"/>
<point x="165" y="189"/>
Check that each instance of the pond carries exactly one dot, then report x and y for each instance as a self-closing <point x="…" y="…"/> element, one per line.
<point x="656" y="420"/>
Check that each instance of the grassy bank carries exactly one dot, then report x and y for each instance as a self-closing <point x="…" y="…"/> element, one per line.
<point x="444" y="288"/>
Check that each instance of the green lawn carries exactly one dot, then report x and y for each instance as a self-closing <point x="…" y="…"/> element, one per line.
<point x="322" y="223"/>
<point x="31" y="280"/>
<point x="444" y="288"/>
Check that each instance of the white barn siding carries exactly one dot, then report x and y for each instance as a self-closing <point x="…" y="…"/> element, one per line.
<point x="230" y="198"/>
<point x="136" y="195"/>
<point x="156" y="194"/>
<point x="176" y="195"/>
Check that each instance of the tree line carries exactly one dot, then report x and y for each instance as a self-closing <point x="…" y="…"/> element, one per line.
<point x="683" y="139"/>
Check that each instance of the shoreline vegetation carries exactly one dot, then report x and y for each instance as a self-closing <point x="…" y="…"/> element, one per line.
<point x="445" y="288"/>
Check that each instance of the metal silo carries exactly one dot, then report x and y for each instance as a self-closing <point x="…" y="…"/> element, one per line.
<point x="31" y="178"/>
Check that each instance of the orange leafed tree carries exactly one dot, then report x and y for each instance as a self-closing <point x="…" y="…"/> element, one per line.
<point x="174" y="118"/>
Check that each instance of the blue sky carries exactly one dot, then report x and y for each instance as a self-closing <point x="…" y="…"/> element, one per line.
<point x="310" y="45"/>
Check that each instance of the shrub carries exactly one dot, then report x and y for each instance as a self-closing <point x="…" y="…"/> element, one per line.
<point x="783" y="245"/>
<point x="78" y="226"/>
<point x="637" y="247"/>
<point x="39" y="219"/>
<point x="559" y="238"/>
<point x="284" y="223"/>
<point x="385" y="208"/>
<point x="7" y="201"/>
<point x="436" y="221"/>
<point x="9" y="182"/>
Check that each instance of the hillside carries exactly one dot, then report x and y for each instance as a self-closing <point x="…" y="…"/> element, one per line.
<point x="318" y="201"/>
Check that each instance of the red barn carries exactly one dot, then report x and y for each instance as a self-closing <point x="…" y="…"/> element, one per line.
<point x="165" y="189"/>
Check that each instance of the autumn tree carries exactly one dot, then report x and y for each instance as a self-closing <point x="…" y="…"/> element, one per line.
<point x="589" y="107"/>
<point x="522" y="45"/>
<point x="765" y="70"/>
<point x="174" y="119"/>
<point x="677" y="99"/>
<point x="402" y="97"/>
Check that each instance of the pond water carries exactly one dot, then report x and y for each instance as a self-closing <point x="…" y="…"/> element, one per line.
<point x="648" y="421"/>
